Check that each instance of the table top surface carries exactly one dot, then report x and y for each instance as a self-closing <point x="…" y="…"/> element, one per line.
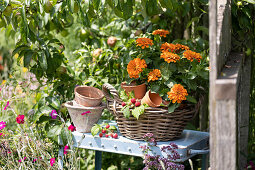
<point x="189" y="140"/>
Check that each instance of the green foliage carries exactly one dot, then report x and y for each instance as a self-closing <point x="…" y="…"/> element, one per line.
<point x="138" y="111"/>
<point x="95" y="129"/>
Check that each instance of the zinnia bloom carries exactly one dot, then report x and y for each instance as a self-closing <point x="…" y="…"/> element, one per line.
<point x="72" y="128"/>
<point x="135" y="67"/>
<point x="6" y="105"/>
<point x="160" y="32"/>
<point x="166" y="47"/>
<point x="85" y="112"/>
<point x="52" y="161"/>
<point x="191" y="55"/>
<point x="154" y="75"/>
<point x="65" y="149"/>
<point x="177" y="94"/>
<point x="53" y="114"/>
<point x="170" y="57"/>
<point x="181" y="47"/>
<point x="20" y="119"/>
<point x="2" y="125"/>
<point x="144" y="42"/>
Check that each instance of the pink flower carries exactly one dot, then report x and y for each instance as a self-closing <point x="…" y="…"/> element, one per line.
<point x="72" y="128"/>
<point x="34" y="160"/>
<point x="52" y="161"/>
<point x="65" y="149"/>
<point x="20" y="119"/>
<point x="20" y="160"/>
<point x="6" y="105"/>
<point x="85" y="112"/>
<point x="2" y="125"/>
<point x="53" y="114"/>
<point x="1" y="134"/>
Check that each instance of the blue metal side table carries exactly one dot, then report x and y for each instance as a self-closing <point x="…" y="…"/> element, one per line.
<point x="189" y="144"/>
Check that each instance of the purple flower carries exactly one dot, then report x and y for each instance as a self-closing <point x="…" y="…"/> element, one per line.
<point x="52" y="161"/>
<point x="6" y="105"/>
<point x="85" y="112"/>
<point x="53" y="114"/>
<point x="2" y="125"/>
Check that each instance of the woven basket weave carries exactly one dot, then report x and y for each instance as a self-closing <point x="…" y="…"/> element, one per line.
<point x="165" y="126"/>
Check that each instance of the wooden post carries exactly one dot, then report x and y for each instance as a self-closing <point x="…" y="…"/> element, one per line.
<point x="229" y="93"/>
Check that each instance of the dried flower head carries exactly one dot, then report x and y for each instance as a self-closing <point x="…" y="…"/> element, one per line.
<point x="170" y="57"/>
<point x="191" y="55"/>
<point x="177" y="94"/>
<point x="160" y="32"/>
<point x="135" y="67"/>
<point x="144" y="42"/>
<point x="154" y="75"/>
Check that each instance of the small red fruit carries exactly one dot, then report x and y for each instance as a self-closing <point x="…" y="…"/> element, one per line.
<point x="100" y="135"/>
<point x="137" y="104"/>
<point x="106" y="135"/>
<point x="115" y="136"/>
<point x="111" y="135"/>
<point x="103" y="131"/>
<point x="123" y="104"/>
<point x="133" y="100"/>
<point x="107" y="126"/>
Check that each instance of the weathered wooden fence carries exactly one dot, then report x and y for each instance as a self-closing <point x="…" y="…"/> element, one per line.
<point x="229" y="93"/>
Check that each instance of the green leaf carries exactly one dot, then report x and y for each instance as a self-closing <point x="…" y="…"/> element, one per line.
<point x="123" y="96"/>
<point x="42" y="60"/>
<point x="152" y="7"/>
<point x="54" y="102"/>
<point x="137" y="111"/>
<point x="172" y="107"/>
<point x="3" y="5"/>
<point x="126" y="111"/>
<point x="250" y="1"/>
<point x="54" y="131"/>
<point x="27" y="58"/>
<point x="19" y="48"/>
<point x="95" y="129"/>
<point x="155" y="88"/>
<point x="131" y="94"/>
<point x="191" y="99"/>
<point x="112" y="128"/>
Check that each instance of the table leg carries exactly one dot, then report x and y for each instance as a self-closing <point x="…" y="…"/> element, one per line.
<point x="98" y="160"/>
<point x="205" y="158"/>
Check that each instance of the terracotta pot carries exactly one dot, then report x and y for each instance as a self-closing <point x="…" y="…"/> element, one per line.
<point x="139" y="90"/>
<point x="88" y="96"/>
<point x="84" y="123"/>
<point x="152" y="99"/>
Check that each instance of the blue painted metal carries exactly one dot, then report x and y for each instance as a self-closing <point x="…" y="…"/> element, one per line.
<point x="190" y="140"/>
<point x="98" y="160"/>
<point x="193" y="151"/>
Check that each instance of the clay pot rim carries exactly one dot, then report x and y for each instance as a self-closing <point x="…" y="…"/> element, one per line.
<point x="157" y="105"/>
<point x="124" y="84"/>
<point x="75" y="105"/>
<point x="85" y="97"/>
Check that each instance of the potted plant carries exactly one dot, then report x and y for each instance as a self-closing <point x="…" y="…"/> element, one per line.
<point x="176" y="72"/>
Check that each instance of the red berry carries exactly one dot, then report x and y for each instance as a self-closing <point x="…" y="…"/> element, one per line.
<point x="123" y="104"/>
<point x="137" y="104"/>
<point x="111" y="135"/>
<point x="133" y="100"/>
<point x="106" y="135"/>
<point x="115" y="136"/>
<point x="107" y="126"/>
<point x="100" y="135"/>
<point x="103" y="131"/>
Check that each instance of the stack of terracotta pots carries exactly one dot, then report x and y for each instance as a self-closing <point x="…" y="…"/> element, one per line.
<point x="152" y="99"/>
<point x="87" y="107"/>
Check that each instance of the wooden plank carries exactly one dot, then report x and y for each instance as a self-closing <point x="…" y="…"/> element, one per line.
<point x="243" y="102"/>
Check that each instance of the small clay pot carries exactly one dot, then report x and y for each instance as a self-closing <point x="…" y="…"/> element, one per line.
<point x="152" y="99"/>
<point x="88" y="96"/>
<point x="139" y="90"/>
<point x="84" y="123"/>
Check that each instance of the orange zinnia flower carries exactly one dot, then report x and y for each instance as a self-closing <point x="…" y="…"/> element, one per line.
<point x="191" y="55"/>
<point x="180" y="46"/>
<point x="167" y="46"/>
<point x="160" y="32"/>
<point x="170" y="57"/>
<point x="177" y="94"/>
<point x="135" y="67"/>
<point x="154" y="75"/>
<point x="144" y="42"/>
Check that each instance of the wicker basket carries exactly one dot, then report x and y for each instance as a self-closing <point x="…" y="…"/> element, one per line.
<point x="158" y="121"/>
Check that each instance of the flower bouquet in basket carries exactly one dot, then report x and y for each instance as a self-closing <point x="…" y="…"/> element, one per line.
<point x="174" y="75"/>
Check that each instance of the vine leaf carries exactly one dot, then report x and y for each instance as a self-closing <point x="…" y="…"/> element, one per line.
<point x="126" y="111"/>
<point x="95" y="129"/>
<point x="138" y="111"/>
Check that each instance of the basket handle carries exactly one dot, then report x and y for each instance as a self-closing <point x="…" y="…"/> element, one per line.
<point x="106" y="88"/>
